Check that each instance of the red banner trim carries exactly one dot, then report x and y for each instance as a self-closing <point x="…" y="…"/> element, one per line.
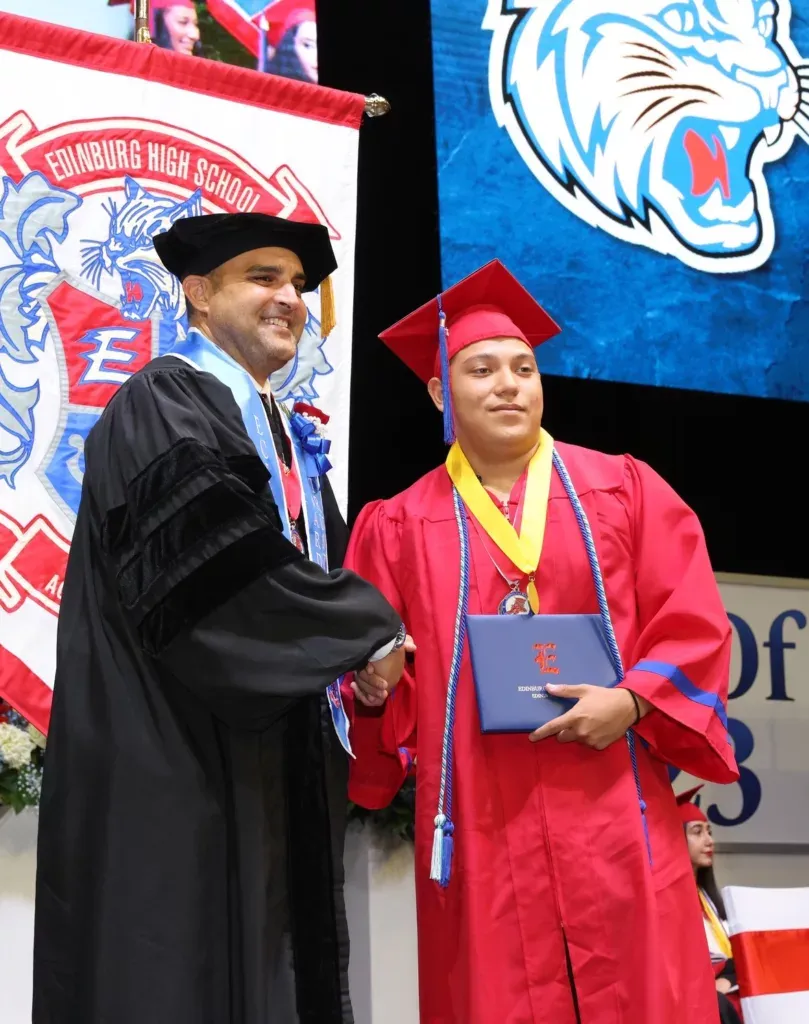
<point x="25" y="691"/>
<point x="194" y="74"/>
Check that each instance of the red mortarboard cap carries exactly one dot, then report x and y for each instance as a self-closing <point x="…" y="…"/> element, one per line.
<point x="688" y="810"/>
<point x="490" y="303"/>
<point x="284" y="15"/>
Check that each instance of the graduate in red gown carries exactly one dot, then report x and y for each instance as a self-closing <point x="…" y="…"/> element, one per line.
<point x="553" y="884"/>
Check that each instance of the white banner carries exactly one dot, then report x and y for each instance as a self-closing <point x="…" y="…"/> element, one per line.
<point x="768" y="716"/>
<point x="102" y="144"/>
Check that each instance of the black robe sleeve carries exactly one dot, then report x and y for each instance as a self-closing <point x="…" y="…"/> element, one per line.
<point x="210" y="587"/>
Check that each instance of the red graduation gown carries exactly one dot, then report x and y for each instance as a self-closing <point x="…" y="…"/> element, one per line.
<point x="549" y="844"/>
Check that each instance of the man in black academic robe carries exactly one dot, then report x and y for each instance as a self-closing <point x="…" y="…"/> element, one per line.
<point x="193" y="805"/>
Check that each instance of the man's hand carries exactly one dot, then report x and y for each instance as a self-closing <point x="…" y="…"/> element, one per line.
<point x="373" y="685"/>
<point x="600" y="716"/>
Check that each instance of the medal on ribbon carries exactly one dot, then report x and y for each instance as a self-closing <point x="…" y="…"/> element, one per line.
<point x="515" y="603"/>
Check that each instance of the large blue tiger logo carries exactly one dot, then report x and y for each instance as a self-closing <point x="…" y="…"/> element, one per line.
<point x="654" y="119"/>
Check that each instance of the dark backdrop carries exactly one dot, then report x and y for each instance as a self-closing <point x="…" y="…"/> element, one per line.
<point x="739" y="462"/>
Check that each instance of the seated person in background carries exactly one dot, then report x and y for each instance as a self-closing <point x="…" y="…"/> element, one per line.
<point x="701" y="851"/>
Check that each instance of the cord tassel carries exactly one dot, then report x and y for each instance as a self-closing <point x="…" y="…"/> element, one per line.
<point x="441" y="860"/>
<point x="438" y="848"/>
<point x="446" y="855"/>
<point x="328" y="315"/>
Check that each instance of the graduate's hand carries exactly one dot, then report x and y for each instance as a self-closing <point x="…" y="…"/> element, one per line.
<point x="374" y="684"/>
<point x="600" y="716"/>
<point x="378" y="679"/>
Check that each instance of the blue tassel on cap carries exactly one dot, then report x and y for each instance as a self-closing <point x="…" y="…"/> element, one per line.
<point x="449" y="427"/>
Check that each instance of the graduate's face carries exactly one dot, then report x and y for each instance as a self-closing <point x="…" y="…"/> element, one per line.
<point x="306" y="48"/>
<point x="182" y="27"/>
<point x="496" y="394"/>
<point x="253" y="307"/>
<point x="700" y="844"/>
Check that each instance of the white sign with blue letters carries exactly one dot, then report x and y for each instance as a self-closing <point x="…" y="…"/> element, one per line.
<point x="768" y="716"/>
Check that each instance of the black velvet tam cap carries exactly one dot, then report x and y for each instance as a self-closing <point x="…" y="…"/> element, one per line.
<point x="198" y="245"/>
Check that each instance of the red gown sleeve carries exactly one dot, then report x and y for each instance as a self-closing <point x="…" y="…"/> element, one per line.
<point x="383" y="739"/>
<point x="681" y="660"/>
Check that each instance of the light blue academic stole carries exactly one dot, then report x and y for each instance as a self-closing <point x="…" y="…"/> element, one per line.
<point x="309" y="459"/>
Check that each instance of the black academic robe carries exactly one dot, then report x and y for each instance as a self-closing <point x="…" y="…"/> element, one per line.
<point x="190" y="824"/>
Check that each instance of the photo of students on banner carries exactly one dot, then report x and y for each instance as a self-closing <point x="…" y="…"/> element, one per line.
<point x="279" y="37"/>
<point x="173" y="25"/>
<point x="293" y="42"/>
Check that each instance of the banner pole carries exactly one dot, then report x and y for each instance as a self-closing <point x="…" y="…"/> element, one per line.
<point x="263" y="29"/>
<point x="142" y="22"/>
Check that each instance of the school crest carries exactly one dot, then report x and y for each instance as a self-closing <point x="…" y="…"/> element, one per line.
<point x="85" y="303"/>
<point x="80" y="281"/>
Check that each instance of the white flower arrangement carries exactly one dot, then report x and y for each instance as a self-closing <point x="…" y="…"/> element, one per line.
<point x="22" y="750"/>
<point x="16" y="746"/>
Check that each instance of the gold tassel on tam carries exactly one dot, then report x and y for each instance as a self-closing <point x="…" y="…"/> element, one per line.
<point x="328" y="320"/>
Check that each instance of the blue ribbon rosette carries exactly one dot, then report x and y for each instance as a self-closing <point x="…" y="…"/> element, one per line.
<point x="305" y="422"/>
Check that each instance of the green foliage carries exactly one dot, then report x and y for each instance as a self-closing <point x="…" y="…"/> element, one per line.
<point x="218" y="44"/>
<point x="397" y="821"/>
<point x="21" y="759"/>
<point x="20" y="789"/>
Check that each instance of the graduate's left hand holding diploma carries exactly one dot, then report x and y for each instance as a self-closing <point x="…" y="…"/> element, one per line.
<point x="374" y="684"/>
<point x="600" y="716"/>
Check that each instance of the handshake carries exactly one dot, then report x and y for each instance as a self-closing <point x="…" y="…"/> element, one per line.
<point x="373" y="685"/>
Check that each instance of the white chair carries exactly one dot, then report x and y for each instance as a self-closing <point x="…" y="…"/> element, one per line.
<point x="769" y="932"/>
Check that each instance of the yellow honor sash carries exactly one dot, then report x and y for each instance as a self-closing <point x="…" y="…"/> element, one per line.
<point x="722" y="940"/>
<point x="523" y="549"/>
